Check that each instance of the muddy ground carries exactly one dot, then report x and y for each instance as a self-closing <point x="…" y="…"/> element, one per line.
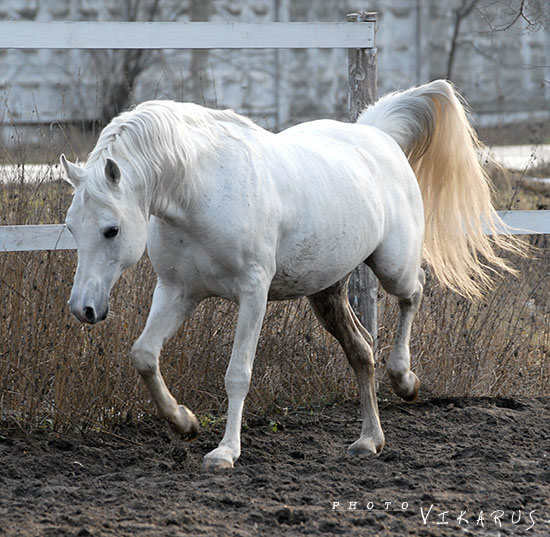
<point x="446" y="461"/>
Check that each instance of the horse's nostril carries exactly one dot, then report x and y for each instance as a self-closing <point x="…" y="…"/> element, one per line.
<point x="89" y="313"/>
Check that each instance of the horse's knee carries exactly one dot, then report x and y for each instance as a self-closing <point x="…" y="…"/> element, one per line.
<point x="144" y="359"/>
<point x="237" y="381"/>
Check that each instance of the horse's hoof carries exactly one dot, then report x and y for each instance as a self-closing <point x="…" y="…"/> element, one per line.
<point x="220" y="458"/>
<point x="414" y="393"/>
<point x="365" y="447"/>
<point x="184" y="423"/>
<point x="408" y="387"/>
<point x="215" y="465"/>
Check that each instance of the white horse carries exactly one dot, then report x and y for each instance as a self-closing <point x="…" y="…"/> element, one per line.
<point x="228" y="209"/>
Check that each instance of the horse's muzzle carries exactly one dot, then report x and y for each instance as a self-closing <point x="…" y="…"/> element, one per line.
<point x="89" y="314"/>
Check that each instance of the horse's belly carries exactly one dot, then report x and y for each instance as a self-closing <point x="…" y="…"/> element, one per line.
<point x="288" y="284"/>
<point x="304" y="271"/>
<point x="285" y="286"/>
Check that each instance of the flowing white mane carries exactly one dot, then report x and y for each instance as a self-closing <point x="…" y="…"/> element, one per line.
<point x="157" y="140"/>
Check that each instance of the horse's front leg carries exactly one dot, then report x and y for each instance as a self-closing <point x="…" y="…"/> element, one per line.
<point x="168" y="310"/>
<point x="252" y="307"/>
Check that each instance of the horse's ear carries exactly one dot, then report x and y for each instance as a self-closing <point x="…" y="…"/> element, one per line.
<point x="74" y="174"/>
<point x="112" y="171"/>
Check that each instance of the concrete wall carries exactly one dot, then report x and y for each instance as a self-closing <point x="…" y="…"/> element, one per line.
<point x="500" y="73"/>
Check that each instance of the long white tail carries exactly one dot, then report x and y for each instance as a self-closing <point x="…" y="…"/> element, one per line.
<point x="430" y="124"/>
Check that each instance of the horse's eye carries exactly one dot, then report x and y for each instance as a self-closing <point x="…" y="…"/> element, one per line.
<point x="111" y="232"/>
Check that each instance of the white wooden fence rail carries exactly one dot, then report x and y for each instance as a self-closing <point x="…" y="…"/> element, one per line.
<point x="184" y="35"/>
<point x="56" y="236"/>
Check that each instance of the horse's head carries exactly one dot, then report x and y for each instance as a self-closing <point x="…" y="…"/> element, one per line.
<point x="110" y="232"/>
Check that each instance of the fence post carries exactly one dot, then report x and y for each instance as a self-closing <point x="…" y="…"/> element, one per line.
<point x="363" y="287"/>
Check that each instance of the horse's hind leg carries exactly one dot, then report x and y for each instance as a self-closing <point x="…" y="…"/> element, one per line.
<point x="168" y="310"/>
<point x="404" y="382"/>
<point x="407" y="284"/>
<point x="333" y="310"/>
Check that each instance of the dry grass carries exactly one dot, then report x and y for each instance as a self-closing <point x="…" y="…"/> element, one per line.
<point x="57" y="373"/>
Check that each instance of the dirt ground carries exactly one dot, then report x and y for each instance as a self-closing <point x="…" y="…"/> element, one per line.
<point x="446" y="461"/>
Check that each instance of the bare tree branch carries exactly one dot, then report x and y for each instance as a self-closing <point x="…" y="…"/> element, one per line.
<point x="536" y="13"/>
<point x="500" y="16"/>
<point x="460" y="14"/>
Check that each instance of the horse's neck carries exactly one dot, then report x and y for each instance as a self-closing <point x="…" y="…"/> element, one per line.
<point x="177" y="189"/>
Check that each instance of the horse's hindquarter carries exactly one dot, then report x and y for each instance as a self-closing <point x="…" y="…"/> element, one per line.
<point x="343" y="189"/>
